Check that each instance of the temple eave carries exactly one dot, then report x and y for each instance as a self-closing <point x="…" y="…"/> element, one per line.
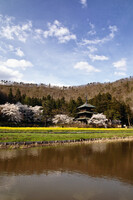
<point x="85" y="112"/>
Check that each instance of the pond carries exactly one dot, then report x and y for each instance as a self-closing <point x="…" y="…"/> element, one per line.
<point x="94" y="171"/>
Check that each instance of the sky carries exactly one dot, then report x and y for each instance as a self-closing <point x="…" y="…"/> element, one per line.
<point x="66" y="42"/>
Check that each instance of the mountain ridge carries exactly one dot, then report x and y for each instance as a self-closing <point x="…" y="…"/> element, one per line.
<point x="121" y="89"/>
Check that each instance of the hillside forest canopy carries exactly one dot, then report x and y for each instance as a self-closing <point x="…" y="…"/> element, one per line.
<point x="104" y="103"/>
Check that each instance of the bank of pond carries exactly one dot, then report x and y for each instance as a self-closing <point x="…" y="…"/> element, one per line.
<point x="30" y="136"/>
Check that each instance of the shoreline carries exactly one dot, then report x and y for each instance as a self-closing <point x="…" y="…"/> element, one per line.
<point x="28" y="144"/>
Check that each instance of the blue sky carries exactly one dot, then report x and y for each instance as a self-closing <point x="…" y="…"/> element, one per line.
<point x="66" y="42"/>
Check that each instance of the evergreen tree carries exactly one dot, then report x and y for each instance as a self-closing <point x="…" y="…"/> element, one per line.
<point x="58" y="104"/>
<point x="18" y="96"/>
<point x="47" y="110"/>
<point x="72" y="107"/>
<point x="3" y="98"/>
<point x="10" y="96"/>
<point x="23" y="97"/>
<point x="27" y="101"/>
<point x="113" y="109"/>
<point x="79" y="101"/>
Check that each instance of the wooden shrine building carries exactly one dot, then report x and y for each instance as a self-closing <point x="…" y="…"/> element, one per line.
<point x="85" y="112"/>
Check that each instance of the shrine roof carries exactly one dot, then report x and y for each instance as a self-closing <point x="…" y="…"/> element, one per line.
<point x="81" y="119"/>
<point x="85" y="112"/>
<point x="86" y="105"/>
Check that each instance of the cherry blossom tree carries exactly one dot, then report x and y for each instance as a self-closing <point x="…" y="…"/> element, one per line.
<point x="11" y="112"/>
<point x="62" y="119"/>
<point x="17" y="113"/>
<point x="37" y="113"/>
<point x="98" y="120"/>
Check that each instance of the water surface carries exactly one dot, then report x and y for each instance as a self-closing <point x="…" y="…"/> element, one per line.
<point x="95" y="171"/>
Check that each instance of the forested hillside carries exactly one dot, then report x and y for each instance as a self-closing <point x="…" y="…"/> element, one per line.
<point x="112" y="99"/>
<point x="122" y="90"/>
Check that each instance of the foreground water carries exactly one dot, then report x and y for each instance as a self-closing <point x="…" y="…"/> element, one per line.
<point x="95" y="171"/>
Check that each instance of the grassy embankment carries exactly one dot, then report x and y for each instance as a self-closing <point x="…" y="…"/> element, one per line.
<point x="9" y="134"/>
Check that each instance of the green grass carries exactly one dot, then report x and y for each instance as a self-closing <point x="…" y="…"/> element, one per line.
<point x="44" y="134"/>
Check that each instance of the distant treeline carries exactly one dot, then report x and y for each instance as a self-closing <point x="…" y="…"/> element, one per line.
<point x="105" y="103"/>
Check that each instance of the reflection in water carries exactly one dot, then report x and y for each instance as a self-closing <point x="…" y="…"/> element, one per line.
<point x="63" y="186"/>
<point x="99" y="147"/>
<point x="78" y="172"/>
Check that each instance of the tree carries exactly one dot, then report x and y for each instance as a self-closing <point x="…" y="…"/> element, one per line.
<point x="47" y="110"/>
<point x="37" y="113"/>
<point x="98" y="120"/>
<point x="18" y="113"/>
<point x="129" y="115"/>
<point x="62" y="119"/>
<point x="79" y="101"/>
<point x="112" y="108"/>
<point x="11" y="113"/>
<point x="18" y="96"/>
<point x="26" y="113"/>
<point x="72" y="107"/>
<point x="27" y="100"/>
<point x="3" y="98"/>
<point x="23" y="97"/>
<point x="10" y="96"/>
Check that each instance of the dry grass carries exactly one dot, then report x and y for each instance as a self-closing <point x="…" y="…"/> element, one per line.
<point x="121" y="90"/>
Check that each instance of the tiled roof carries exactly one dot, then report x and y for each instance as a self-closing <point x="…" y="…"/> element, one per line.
<point x="86" y="105"/>
<point x="85" y="112"/>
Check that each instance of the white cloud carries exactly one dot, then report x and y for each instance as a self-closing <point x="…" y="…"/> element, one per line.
<point x="120" y="73"/>
<point x="38" y="35"/>
<point x="8" y="71"/>
<point x="22" y="31"/>
<point x="10" y="47"/>
<point x="92" y="49"/>
<point x="13" y="63"/>
<point x="121" y="64"/>
<point x="97" y="57"/>
<point x="86" y="67"/>
<point x="92" y="31"/>
<point x="91" y="25"/>
<point x="113" y="29"/>
<point x="5" y="48"/>
<point x="9" y="74"/>
<point x="96" y="41"/>
<point x="121" y="67"/>
<point x="83" y="2"/>
<point x="38" y="31"/>
<point x="2" y="50"/>
<point x="19" y="52"/>
<point x="60" y="32"/>
<point x="11" y="31"/>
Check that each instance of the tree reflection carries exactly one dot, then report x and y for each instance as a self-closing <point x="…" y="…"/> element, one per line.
<point x="97" y="159"/>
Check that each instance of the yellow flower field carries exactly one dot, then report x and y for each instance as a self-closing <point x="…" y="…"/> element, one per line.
<point x="25" y="134"/>
<point x="63" y="128"/>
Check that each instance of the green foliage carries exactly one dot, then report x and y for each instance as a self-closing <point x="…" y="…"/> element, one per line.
<point x="18" y="96"/>
<point x="79" y="101"/>
<point x="104" y="103"/>
<point x="49" y="135"/>
<point x="72" y="106"/>
<point x="3" y="98"/>
<point x="10" y="96"/>
<point x="113" y="109"/>
<point x="48" y="107"/>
